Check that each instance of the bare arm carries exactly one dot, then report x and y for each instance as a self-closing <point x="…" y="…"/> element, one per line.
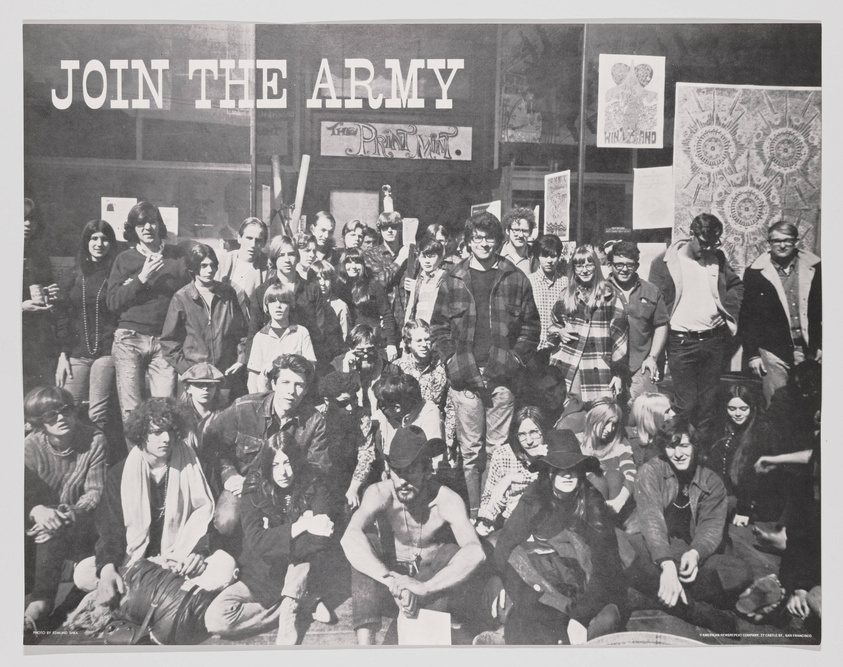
<point x="358" y="550"/>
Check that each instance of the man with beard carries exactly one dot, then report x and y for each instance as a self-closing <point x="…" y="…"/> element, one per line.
<point x="419" y="567"/>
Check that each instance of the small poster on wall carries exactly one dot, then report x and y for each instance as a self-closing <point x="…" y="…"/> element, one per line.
<point x="630" y="101"/>
<point x="652" y="198"/>
<point x="493" y="207"/>
<point x="557" y="204"/>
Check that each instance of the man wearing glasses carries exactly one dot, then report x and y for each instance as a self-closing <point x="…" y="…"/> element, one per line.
<point x="647" y="314"/>
<point x="703" y="295"/>
<point x="519" y="224"/>
<point x="781" y="317"/>
<point x="485" y="327"/>
<point x="388" y="261"/>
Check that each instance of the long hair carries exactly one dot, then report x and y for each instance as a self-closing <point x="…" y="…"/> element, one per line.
<point x="586" y="507"/>
<point x="196" y="255"/>
<point x="594" y="292"/>
<point x="744" y="394"/>
<point x="532" y="413"/>
<point x="276" y="246"/>
<point x="648" y="414"/>
<point x="304" y="482"/>
<point x="41" y="400"/>
<point x="601" y="413"/>
<point x="86" y="264"/>
<point x="139" y="214"/>
<point x="356" y="291"/>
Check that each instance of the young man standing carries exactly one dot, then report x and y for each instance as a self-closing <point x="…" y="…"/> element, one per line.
<point x="388" y="261"/>
<point x="519" y="224"/>
<point x="647" y="314"/>
<point x="703" y="295"/>
<point x="245" y="269"/>
<point x="781" y="316"/>
<point x="424" y="571"/>
<point x="547" y="286"/>
<point x="485" y="327"/>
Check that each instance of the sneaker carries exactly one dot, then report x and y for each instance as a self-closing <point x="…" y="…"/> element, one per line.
<point x="288" y="633"/>
<point x="489" y="637"/>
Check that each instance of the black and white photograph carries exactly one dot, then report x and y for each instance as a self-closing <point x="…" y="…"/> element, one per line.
<point x="420" y="334"/>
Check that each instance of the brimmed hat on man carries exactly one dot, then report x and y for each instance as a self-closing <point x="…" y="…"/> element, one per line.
<point x="409" y="444"/>
<point x="563" y="451"/>
<point x="202" y="373"/>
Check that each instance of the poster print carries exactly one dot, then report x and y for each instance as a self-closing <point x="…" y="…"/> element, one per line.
<point x="630" y="101"/>
<point x="557" y="204"/>
<point x="751" y="156"/>
<point x="652" y="198"/>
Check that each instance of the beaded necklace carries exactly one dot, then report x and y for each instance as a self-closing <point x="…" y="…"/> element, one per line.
<point x="96" y="345"/>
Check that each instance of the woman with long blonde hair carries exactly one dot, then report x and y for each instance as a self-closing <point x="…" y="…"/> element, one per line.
<point x="589" y="326"/>
<point x="649" y="412"/>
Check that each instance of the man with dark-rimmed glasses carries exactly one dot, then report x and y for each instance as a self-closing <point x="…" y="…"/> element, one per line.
<point x="703" y="295"/>
<point x="781" y="317"/>
<point x="647" y="314"/>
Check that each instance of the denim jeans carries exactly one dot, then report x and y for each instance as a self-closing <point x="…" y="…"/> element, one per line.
<point x="696" y="366"/>
<point x="138" y="357"/>
<point x="93" y="381"/>
<point x="235" y="610"/>
<point x="483" y="423"/>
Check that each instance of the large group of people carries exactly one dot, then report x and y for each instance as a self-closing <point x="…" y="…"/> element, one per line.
<point x="474" y="423"/>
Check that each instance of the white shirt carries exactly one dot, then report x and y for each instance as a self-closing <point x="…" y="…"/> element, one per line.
<point x="697" y="309"/>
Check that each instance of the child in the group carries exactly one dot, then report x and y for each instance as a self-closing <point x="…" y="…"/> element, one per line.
<point x="425" y="288"/>
<point x="325" y="275"/>
<point x="277" y="338"/>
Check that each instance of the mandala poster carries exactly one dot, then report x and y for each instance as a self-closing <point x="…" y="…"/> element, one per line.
<point x="630" y="108"/>
<point x="752" y="156"/>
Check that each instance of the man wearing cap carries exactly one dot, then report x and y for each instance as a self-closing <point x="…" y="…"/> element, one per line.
<point x="703" y="295"/>
<point x="424" y="571"/>
<point x="237" y="436"/>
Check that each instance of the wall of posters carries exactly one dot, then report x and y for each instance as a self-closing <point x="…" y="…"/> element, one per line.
<point x="751" y="156"/>
<point x="630" y="101"/>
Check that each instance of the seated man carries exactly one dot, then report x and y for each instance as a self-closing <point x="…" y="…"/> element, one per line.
<point x="424" y="571"/>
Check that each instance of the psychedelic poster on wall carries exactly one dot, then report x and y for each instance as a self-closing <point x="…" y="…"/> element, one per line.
<point x="630" y="108"/>
<point x="557" y="204"/>
<point x="750" y="155"/>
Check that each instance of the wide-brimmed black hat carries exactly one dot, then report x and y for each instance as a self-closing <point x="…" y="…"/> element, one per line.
<point x="408" y="444"/>
<point x="563" y="451"/>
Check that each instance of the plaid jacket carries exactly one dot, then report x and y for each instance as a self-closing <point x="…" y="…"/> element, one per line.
<point x="599" y="351"/>
<point x="515" y="326"/>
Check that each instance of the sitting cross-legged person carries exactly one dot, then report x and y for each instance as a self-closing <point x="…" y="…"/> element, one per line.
<point x="284" y="516"/>
<point x="427" y="570"/>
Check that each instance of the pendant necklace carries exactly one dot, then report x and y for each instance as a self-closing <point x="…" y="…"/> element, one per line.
<point x="92" y="350"/>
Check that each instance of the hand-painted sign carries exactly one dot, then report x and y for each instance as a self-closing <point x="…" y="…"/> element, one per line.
<point x="396" y="140"/>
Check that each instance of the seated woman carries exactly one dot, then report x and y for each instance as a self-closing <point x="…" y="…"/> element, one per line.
<point x="649" y="412"/>
<point x="678" y="532"/>
<point x="742" y="436"/>
<point x="604" y="439"/>
<point x="558" y="554"/>
<point x="512" y="469"/>
<point x="283" y="512"/>
<point x="156" y="504"/>
<point x="66" y="460"/>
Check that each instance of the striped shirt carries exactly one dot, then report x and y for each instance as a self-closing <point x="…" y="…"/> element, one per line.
<point x="77" y="475"/>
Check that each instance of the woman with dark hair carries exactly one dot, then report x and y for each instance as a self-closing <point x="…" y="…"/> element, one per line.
<point x="366" y="299"/>
<point x="205" y="322"/>
<point x="142" y="283"/>
<point x="512" y="469"/>
<point x="284" y="516"/>
<point x="86" y="325"/>
<point x="156" y="503"/>
<point x="742" y="436"/>
<point x="679" y="533"/>
<point x="66" y="458"/>
<point x="40" y="346"/>
<point x="311" y="309"/>
<point x="558" y="554"/>
<point x="589" y="326"/>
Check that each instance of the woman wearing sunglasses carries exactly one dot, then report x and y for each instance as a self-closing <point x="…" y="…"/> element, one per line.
<point x="65" y="475"/>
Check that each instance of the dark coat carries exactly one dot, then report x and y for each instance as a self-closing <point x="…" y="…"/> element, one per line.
<point x="765" y="319"/>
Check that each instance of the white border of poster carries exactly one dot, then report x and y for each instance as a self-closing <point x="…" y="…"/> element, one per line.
<point x="557" y="204"/>
<point x="625" y="81"/>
